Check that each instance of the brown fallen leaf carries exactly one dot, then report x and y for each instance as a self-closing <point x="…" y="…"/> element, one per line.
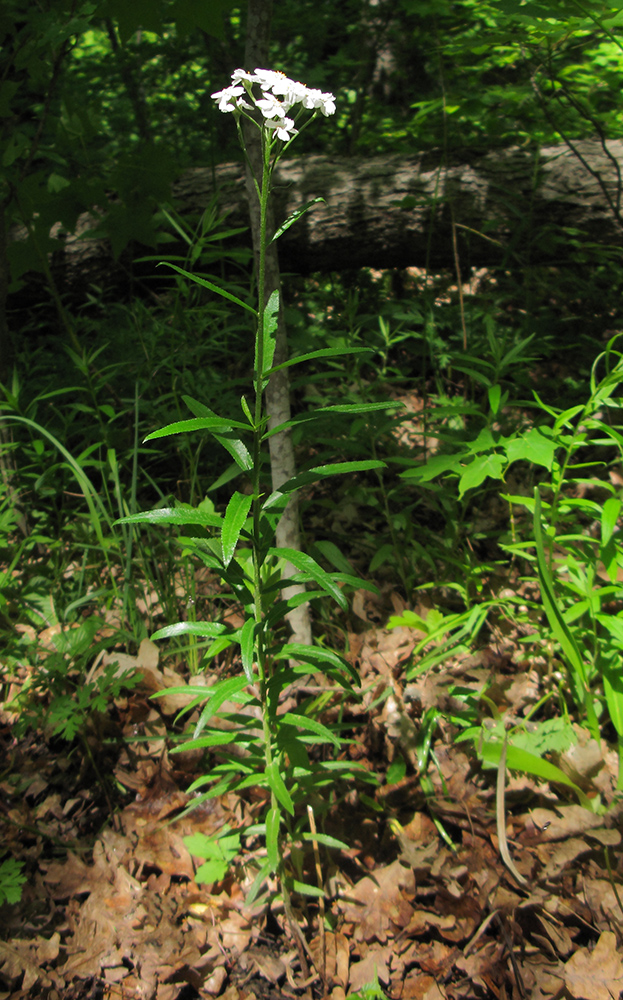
<point x="596" y="974"/>
<point x="374" y="964"/>
<point x="377" y="902"/>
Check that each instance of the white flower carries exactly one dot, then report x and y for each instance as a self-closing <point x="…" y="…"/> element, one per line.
<point x="271" y="107"/>
<point x="267" y="78"/>
<point x="284" y="129"/>
<point x="241" y="74"/>
<point x="290" y="92"/>
<point x="227" y="98"/>
<point x="279" y="95"/>
<point x="316" y="99"/>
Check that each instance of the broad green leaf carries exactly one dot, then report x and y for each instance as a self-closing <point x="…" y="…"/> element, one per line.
<point x="320" y="472"/>
<point x="435" y="466"/>
<point x="294" y="217"/>
<point x="208" y="284"/>
<point x="196" y="424"/>
<point x="184" y="514"/>
<point x="311" y="725"/>
<point x="277" y="785"/>
<point x="307" y="565"/>
<point x="481" y="468"/>
<point x="533" y="446"/>
<point x="233" y="523"/>
<point x="211" y="871"/>
<point x="247" y="648"/>
<point x="273" y="821"/>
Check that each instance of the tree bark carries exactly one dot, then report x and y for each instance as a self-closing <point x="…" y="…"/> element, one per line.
<point x="396" y="211"/>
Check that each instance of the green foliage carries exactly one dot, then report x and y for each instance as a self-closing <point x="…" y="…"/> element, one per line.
<point x="11" y="881"/>
<point x="58" y="698"/>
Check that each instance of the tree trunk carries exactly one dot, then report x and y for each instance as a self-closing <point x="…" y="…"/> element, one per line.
<point x="395" y="211"/>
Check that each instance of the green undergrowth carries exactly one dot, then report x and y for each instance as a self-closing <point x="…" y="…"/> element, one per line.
<point x="501" y="474"/>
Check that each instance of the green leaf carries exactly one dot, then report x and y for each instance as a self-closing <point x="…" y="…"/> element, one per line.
<point x="613" y="690"/>
<point x="208" y="284"/>
<point x="558" y="624"/>
<point x="435" y="466"/>
<point x="360" y="407"/>
<point x="271" y="321"/>
<point x="529" y="763"/>
<point x="320" y="472"/>
<point x="196" y="424"/>
<point x="11" y="881"/>
<point x="310" y="725"/>
<point x="236" y="448"/>
<point x="247" y="648"/>
<point x="273" y="820"/>
<point x="328" y="352"/>
<point x="184" y="514"/>
<point x="536" y="446"/>
<point x="324" y="838"/>
<point x="211" y="871"/>
<point x="307" y="890"/>
<point x="307" y="565"/>
<point x="205" y="629"/>
<point x="294" y="217"/>
<point x="609" y="518"/>
<point x="316" y="655"/>
<point x="277" y="785"/>
<point x="233" y="523"/>
<point x="481" y="468"/>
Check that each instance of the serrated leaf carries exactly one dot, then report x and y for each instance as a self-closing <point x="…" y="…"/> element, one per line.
<point x="211" y="871"/>
<point x="233" y="523"/>
<point x="481" y="468"/>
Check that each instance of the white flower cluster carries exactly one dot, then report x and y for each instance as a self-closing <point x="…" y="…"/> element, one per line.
<point x="279" y="95"/>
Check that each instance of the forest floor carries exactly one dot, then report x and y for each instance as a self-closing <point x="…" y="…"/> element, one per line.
<point x="422" y="898"/>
